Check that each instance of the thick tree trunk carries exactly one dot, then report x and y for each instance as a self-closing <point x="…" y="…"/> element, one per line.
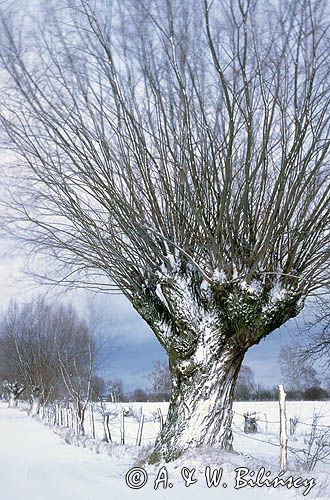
<point x="81" y="419"/>
<point x="35" y="407"/>
<point x="13" y="399"/>
<point x="81" y="428"/>
<point x="206" y="329"/>
<point x="200" y="411"/>
<point x="37" y="394"/>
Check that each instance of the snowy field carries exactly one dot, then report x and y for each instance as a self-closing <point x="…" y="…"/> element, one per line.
<point x="37" y="464"/>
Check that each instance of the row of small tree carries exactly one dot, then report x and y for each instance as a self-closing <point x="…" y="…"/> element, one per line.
<point x="50" y="353"/>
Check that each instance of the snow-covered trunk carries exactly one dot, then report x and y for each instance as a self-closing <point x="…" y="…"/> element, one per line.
<point x="81" y="428"/>
<point x="13" y="399"/>
<point x="36" y="396"/>
<point x="36" y="404"/>
<point x="200" y="411"/>
<point x="81" y="418"/>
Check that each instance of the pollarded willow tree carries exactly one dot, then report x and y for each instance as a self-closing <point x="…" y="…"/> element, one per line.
<point x="178" y="148"/>
<point x="13" y="390"/>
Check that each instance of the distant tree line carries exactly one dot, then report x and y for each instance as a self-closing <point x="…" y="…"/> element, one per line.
<point x="310" y="390"/>
<point x="305" y="386"/>
<point x="159" y="390"/>
<point x="301" y="377"/>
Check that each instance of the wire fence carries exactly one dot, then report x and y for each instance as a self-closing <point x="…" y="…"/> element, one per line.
<point x="126" y="426"/>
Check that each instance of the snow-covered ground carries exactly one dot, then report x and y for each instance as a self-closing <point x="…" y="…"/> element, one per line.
<point x="37" y="464"/>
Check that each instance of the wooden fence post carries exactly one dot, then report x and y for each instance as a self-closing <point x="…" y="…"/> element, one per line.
<point x="70" y="419"/>
<point x="107" y="428"/>
<point x="122" y="426"/>
<point x="283" y="435"/>
<point x="76" y="422"/>
<point x="139" y="434"/>
<point x="266" y="423"/>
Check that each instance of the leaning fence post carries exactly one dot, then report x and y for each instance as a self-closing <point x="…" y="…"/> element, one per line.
<point x="107" y="428"/>
<point x="139" y="434"/>
<point x="283" y="435"/>
<point x="122" y="426"/>
<point x="161" y="420"/>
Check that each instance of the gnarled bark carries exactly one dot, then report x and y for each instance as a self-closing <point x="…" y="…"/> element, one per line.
<point x="81" y="408"/>
<point x="200" y="411"/>
<point x="36" y="395"/>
